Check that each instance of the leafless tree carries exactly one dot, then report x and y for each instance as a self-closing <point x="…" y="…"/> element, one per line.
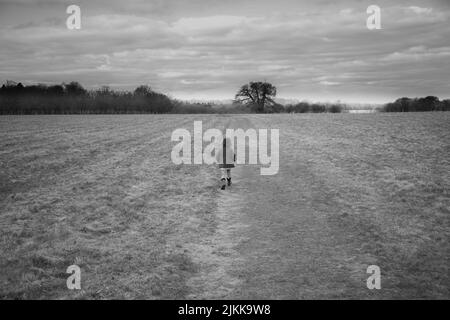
<point x="257" y="95"/>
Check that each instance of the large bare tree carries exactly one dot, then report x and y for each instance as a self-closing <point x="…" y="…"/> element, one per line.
<point x="257" y="95"/>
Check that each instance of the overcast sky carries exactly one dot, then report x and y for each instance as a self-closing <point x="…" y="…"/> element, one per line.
<point x="205" y="49"/>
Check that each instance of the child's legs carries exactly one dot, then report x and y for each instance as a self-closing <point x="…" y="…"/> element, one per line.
<point x="224" y="173"/>
<point x="228" y="173"/>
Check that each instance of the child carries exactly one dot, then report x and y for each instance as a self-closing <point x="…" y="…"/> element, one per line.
<point x="226" y="158"/>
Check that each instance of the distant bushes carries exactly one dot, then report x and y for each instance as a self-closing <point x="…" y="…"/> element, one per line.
<point x="429" y="103"/>
<point x="191" y="107"/>
<point x="205" y="107"/>
<point x="306" y="107"/>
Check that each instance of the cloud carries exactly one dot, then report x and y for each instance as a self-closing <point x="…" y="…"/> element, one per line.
<point x="420" y="10"/>
<point x="205" y="25"/>
<point x="329" y="83"/>
<point x="418" y="53"/>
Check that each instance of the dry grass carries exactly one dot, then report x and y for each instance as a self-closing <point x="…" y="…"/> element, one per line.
<point x="101" y="192"/>
<point x="353" y="190"/>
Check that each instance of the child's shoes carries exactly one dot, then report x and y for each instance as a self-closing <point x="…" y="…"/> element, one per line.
<point x="223" y="181"/>
<point x="229" y="181"/>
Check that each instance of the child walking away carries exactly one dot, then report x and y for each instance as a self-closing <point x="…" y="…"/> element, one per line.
<point x="225" y="158"/>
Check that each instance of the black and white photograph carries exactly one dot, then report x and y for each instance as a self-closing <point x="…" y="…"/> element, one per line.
<point x="248" y="151"/>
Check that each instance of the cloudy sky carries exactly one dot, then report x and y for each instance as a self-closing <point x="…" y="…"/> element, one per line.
<point x="205" y="49"/>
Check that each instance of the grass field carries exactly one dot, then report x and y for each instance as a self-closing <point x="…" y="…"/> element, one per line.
<point x="101" y="192"/>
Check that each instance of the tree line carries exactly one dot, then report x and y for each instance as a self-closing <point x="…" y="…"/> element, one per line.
<point x="429" y="103"/>
<point x="259" y="97"/>
<point x="254" y="97"/>
<point x="72" y="98"/>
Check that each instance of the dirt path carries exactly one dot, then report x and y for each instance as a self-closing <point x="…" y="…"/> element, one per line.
<point x="274" y="241"/>
<point x="218" y="255"/>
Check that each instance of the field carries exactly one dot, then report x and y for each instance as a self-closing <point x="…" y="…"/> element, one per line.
<point x="101" y="192"/>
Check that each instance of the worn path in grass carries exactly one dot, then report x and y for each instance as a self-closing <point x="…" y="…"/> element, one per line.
<point x="273" y="240"/>
<point x="312" y="230"/>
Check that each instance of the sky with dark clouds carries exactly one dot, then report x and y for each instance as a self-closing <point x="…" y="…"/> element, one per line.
<point x="205" y="49"/>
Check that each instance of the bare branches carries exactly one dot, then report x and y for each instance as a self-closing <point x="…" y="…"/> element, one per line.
<point x="257" y="95"/>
